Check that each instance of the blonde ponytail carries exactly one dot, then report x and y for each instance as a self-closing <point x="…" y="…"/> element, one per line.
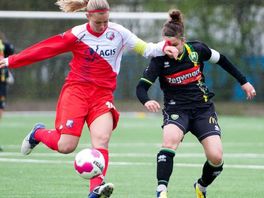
<point x="77" y="5"/>
<point x="72" y="5"/>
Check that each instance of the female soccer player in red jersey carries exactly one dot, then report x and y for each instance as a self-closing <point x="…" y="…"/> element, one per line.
<point x="87" y="95"/>
<point x="187" y="103"/>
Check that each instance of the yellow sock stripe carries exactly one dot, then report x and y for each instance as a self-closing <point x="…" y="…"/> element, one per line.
<point x="140" y="47"/>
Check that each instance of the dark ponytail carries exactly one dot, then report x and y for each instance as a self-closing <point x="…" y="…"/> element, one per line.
<point x="174" y="26"/>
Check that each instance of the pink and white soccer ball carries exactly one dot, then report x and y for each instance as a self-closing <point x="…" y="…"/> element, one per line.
<point x="89" y="163"/>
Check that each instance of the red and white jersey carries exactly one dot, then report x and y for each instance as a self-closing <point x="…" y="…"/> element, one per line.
<point x="96" y="57"/>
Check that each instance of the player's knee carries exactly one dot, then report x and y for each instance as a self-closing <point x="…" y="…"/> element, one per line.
<point x="170" y="146"/>
<point x="100" y="142"/>
<point x="66" y="148"/>
<point x="216" y="159"/>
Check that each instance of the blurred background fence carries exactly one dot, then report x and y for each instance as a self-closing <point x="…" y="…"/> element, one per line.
<point x="235" y="28"/>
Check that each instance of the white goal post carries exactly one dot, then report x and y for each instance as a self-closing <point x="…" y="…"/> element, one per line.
<point x="81" y="15"/>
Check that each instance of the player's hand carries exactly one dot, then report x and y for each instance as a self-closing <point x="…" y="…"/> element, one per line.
<point x="249" y="90"/>
<point x="171" y="51"/>
<point x="2" y="63"/>
<point x="152" y="106"/>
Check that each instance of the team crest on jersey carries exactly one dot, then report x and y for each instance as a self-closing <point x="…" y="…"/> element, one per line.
<point x="193" y="56"/>
<point x="110" y="36"/>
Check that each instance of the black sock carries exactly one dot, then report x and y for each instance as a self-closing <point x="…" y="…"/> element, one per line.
<point x="164" y="166"/>
<point x="209" y="174"/>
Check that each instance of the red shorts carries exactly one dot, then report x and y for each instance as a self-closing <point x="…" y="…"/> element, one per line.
<point x="80" y="103"/>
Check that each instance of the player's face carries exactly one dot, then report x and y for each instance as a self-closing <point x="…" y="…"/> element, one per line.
<point x="177" y="42"/>
<point x="98" y="21"/>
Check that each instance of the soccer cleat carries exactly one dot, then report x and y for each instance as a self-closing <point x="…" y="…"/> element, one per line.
<point x="102" y="191"/>
<point x="162" y="194"/>
<point x="29" y="141"/>
<point x="198" y="192"/>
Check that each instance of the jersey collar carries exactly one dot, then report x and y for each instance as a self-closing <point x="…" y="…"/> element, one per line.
<point x="181" y="56"/>
<point x="93" y="32"/>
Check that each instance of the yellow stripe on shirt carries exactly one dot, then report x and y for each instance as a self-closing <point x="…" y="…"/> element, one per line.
<point x="140" y="47"/>
<point x="146" y="80"/>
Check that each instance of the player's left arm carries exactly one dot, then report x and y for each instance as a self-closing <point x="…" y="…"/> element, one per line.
<point x="228" y="66"/>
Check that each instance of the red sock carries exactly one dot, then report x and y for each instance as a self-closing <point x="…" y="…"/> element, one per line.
<point x="48" y="137"/>
<point x="98" y="180"/>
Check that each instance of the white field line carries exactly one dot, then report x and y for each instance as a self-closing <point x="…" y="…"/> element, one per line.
<point x="53" y="113"/>
<point x="142" y="144"/>
<point x="185" y="165"/>
<point x="139" y="155"/>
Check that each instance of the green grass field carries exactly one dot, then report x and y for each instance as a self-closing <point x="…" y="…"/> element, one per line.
<point x="133" y="148"/>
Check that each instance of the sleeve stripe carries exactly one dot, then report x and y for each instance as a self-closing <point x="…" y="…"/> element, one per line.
<point x="146" y="80"/>
<point x="215" y="56"/>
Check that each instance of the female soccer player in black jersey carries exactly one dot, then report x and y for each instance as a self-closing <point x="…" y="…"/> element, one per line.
<point x="6" y="49"/>
<point x="187" y="103"/>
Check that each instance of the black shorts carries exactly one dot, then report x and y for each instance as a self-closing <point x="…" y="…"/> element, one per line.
<point x="201" y="122"/>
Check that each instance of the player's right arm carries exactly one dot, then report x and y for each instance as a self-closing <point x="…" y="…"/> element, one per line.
<point x="43" y="50"/>
<point x="149" y="76"/>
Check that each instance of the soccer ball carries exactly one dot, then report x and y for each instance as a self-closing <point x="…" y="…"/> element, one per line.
<point x="89" y="163"/>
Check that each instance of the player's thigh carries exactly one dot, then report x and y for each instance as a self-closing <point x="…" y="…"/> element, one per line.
<point x="71" y="111"/>
<point x="172" y="136"/>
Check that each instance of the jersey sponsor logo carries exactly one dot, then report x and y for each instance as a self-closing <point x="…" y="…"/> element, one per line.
<point x="110" y="35"/>
<point x="212" y="120"/>
<point x="90" y="54"/>
<point x="184" y="77"/>
<point x="106" y="52"/>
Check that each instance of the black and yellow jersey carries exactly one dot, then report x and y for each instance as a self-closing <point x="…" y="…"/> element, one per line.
<point x="182" y="80"/>
<point x="6" y="49"/>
